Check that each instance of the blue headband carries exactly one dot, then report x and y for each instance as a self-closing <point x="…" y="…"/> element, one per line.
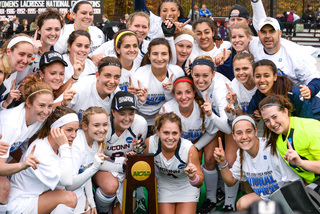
<point x="203" y="62"/>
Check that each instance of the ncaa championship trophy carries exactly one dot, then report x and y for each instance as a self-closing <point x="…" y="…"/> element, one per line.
<point x="140" y="172"/>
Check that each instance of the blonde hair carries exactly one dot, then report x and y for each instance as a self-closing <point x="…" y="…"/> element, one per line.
<point x="5" y="60"/>
<point x="32" y="85"/>
<point x="185" y="31"/>
<point x="243" y="26"/>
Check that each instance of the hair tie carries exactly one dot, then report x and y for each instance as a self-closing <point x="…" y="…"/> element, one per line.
<point x="109" y="63"/>
<point x="271" y="104"/>
<point x="183" y="80"/>
<point x="39" y="91"/>
<point x="65" y="119"/>
<point x="203" y="62"/>
<point x="184" y="37"/>
<point x="243" y="117"/>
<point x="120" y="34"/>
<point x="18" y="39"/>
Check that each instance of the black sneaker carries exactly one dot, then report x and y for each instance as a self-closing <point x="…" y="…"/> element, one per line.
<point x="207" y="207"/>
<point x="220" y="196"/>
<point x="228" y="208"/>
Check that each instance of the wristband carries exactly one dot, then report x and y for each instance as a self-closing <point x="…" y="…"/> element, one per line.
<point x="224" y="166"/>
<point x="195" y="181"/>
<point x="74" y="78"/>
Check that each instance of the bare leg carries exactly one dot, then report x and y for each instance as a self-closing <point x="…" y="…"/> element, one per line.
<point x="167" y="208"/>
<point x="49" y="200"/>
<point x="245" y="201"/>
<point x="186" y="208"/>
<point x="4" y="189"/>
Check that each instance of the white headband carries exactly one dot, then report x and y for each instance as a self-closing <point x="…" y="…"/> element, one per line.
<point x="39" y="91"/>
<point x="184" y="37"/>
<point x="77" y="2"/>
<point x="65" y="119"/>
<point x="19" y="39"/>
<point x="243" y="117"/>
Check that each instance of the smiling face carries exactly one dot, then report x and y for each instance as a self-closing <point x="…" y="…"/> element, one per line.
<point x="169" y="134"/>
<point x="97" y="128"/>
<point x="270" y="39"/>
<point x="140" y="25"/>
<point x="183" y="49"/>
<point x="80" y="48"/>
<point x="70" y="130"/>
<point x="41" y="107"/>
<point x="245" y="136"/>
<point x="83" y="18"/>
<point x="264" y="79"/>
<point x="108" y="80"/>
<point x="20" y="56"/>
<point x="240" y="40"/>
<point x="243" y="71"/>
<point x="123" y="119"/>
<point x="53" y="75"/>
<point x="129" y="48"/>
<point x="204" y="36"/>
<point x="159" y="56"/>
<point x="169" y="10"/>
<point x="275" y="119"/>
<point x="202" y="76"/>
<point x="50" y="31"/>
<point x="184" y="94"/>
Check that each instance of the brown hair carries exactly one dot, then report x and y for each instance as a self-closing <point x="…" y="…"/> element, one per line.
<point x="244" y="55"/>
<point x="55" y="115"/>
<point x="34" y="84"/>
<point x="182" y="15"/>
<point x="284" y="103"/>
<point x="75" y="34"/>
<point x="162" y="118"/>
<point x="106" y="60"/>
<point x="209" y="22"/>
<point x="197" y="98"/>
<point x="118" y="42"/>
<point x="85" y="119"/>
<point x="48" y="14"/>
<point x="155" y="42"/>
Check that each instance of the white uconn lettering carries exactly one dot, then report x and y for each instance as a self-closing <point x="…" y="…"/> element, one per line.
<point x="125" y="99"/>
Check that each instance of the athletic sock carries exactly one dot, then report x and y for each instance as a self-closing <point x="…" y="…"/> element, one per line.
<point x="3" y="208"/>
<point x="211" y="181"/>
<point x="103" y="201"/>
<point x="220" y="180"/>
<point x="61" y="208"/>
<point x="140" y="193"/>
<point x="231" y="194"/>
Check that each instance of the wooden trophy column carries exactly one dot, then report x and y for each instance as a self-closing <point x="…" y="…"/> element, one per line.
<point x="140" y="172"/>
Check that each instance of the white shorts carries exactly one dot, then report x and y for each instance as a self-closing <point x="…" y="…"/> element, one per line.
<point x="24" y="204"/>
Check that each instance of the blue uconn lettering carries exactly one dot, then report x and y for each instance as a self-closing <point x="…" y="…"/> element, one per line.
<point x="263" y="184"/>
<point x="155" y="100"/>
<point x="192" y="135"/>
<point x="124" y="86"/>
<point x="17" y="145"/>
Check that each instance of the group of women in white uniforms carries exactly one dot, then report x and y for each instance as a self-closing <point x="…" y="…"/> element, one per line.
<point x="68" y="121"/>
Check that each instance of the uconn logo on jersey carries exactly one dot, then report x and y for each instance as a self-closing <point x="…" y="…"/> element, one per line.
<point x="17" y="145"/>
<point x="154" y="99"/>
<point x="191" y="135"/>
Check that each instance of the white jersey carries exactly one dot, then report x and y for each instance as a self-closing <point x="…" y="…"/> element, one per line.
<point x="96" y="35"/>
<point x="118" y="146"/>
<point x="292" y="60"/>
<point x="14" y="129"/>
<point x="82" y="156"/>
<point x="87" y="96"/>
<point x="30" y="182"/>
<point x="157" y="95"/>
<point x="192" y="125"/>
<point x="124" y="79"/>
<point x="172" y="182"/>
<point x="244" y="95"/>
<point x="265" y="173"/>
<point x="107" y="49"/>
<point x="196" y="50"/>
<point x="89" y="68"/>
<point x="217" y="92"/>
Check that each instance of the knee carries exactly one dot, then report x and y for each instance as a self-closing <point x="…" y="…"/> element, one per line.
<point x="209" y="161"/>
<point x="70" y="199"/>
<point x="241" y="205"/>
<point x="4" y="190"/>
<point x="109" y="188"/>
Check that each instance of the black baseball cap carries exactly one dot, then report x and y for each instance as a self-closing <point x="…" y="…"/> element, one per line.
<point x="123" y="100"/>
<point x="243" y="11"/>
<point x="51" y="56"/>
